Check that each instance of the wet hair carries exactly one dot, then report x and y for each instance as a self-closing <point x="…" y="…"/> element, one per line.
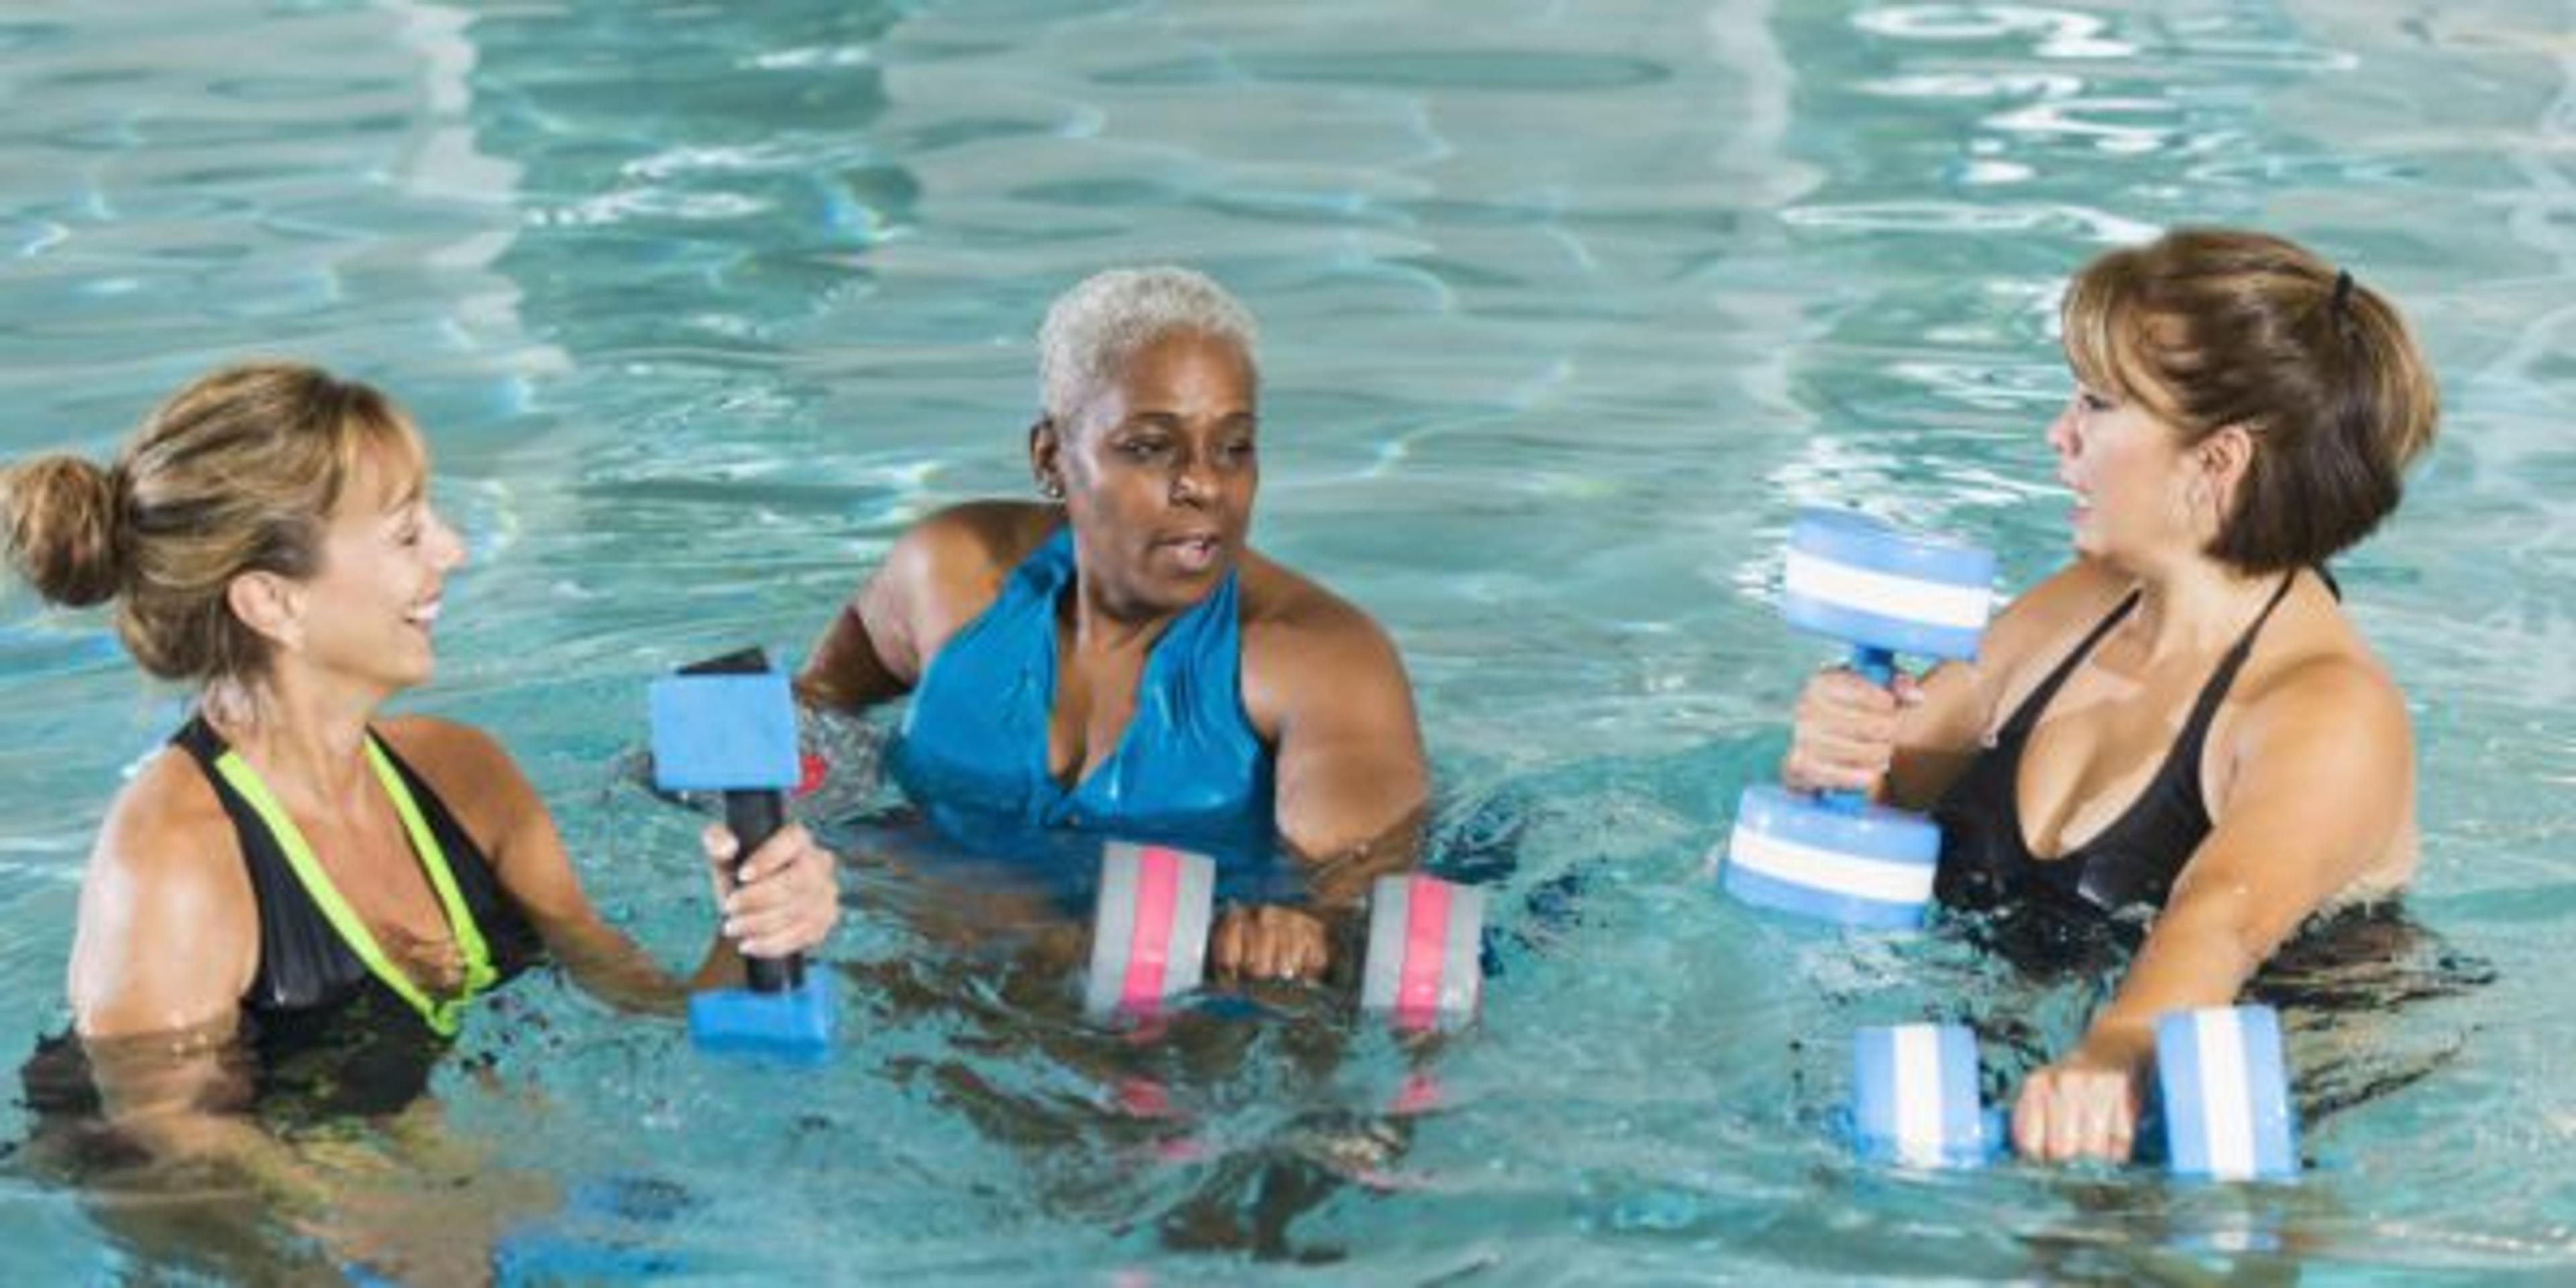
<point x="238" y="472"/>
<point x="1092" y="329"/>
<point x="2215" y="327"/>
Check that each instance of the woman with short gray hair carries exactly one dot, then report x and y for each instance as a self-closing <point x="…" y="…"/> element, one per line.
<point x="1115" y="660"/>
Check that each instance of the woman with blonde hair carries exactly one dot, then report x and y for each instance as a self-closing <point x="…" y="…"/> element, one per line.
<point x="300" y="878"/>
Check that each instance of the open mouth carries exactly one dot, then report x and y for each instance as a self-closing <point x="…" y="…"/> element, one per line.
<point x="1195" y="553"/>
<point x="423" y="614"/>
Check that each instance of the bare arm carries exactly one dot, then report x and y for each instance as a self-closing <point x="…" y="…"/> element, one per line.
<point x="785" y="900"/>
<point x="1351" y="783"/>
<point x="2321" y="790"/>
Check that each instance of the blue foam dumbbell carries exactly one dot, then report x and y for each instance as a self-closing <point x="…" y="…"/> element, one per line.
<point x="1835" y="855"/>
<point x="729" y="725"/>
<point x="2222" y="1090"/>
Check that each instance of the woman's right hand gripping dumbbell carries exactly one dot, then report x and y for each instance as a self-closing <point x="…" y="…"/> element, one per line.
<point x="1846" y="731"/>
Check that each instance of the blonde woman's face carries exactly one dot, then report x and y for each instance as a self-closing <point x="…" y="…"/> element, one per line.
<point x="368" y="615"/>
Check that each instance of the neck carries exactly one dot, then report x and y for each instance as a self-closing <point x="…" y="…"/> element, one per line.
<point x="2197" y="606"/>
<point x="1103" y="623"/>
<point x="305" y="735"/>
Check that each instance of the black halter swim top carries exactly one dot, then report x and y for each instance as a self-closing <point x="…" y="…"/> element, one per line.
<point x="1986" y="862"/>
<point x="326" y="1028"/>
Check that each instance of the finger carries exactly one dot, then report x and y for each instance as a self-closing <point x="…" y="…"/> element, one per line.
<point x="780" y="852"/>
<point x="2029" y="1125"/>
<point x="1225" y="948"/>
<point x="1907" y="690"/>
<point x="717" y="840"/>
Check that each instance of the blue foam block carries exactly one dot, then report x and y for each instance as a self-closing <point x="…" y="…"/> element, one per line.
<point x="1922" y="595"/>
<point x="1914" y="1097"/>
<point x="723" y="732"/>
<point x="1868" y="867"/>
<point x="796" y="1024"/>
<point x="2225" y="1094"/>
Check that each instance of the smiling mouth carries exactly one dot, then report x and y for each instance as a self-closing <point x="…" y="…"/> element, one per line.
<point x="424" y="614"/>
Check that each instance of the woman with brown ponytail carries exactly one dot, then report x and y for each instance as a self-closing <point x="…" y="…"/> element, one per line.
<point x="298" y="873"/>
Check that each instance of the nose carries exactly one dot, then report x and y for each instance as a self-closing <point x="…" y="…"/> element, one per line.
<point x="446" y="546"/>
<point x="1193" y="478"/>
<point x="2062" y="432"/>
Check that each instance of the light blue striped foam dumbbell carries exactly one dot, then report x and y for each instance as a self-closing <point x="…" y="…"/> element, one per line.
<point x="2221" y="1085"/>
<point x="1835" y="855"/>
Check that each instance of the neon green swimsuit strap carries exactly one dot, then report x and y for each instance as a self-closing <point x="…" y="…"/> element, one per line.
<point x="441" y="1014"/>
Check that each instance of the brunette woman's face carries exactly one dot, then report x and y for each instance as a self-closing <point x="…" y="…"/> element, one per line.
<point x="2138" y="493"/>
<point x="1158" y="470"/>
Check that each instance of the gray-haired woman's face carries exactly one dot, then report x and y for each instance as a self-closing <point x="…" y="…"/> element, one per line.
<point x="1158" y="471"/>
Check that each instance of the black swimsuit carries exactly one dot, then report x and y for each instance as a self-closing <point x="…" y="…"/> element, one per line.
<point x="1986" y="863"/>
<point x="320" y="1020"/>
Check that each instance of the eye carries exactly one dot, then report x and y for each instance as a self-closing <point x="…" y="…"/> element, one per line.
<point x="2093" y="402"/>
<point x="1238" y="449"/>
<point x="1142" y="447"/>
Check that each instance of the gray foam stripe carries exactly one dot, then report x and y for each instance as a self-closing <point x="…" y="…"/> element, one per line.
<point x="1113" y="928"/>
<point x="1390" y="907"/>
<point x="1462" y="970"/>
<point x="1193" y="907"/>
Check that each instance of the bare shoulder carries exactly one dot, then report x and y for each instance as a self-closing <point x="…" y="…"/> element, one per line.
<point x="2336" y="686"/>
<point x="976" y="542"/>
<point x="168" y="935"/>
<point x="472" y="774"/>
<point x="169" y="828"/>
<point x="950" y="566"/>
<point x="1301" y="640"/>
<point x="1286" y="611"/>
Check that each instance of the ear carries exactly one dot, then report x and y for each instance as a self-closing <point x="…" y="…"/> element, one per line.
<point x="2225" y="457"/>
<point x="1046" y="457"/>
<point x="269" y="604"/>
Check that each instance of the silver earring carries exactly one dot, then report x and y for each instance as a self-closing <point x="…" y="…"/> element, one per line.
<point x="1051" y="489"/>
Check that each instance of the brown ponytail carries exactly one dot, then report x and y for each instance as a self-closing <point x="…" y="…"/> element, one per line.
<point x="59" y="516"/>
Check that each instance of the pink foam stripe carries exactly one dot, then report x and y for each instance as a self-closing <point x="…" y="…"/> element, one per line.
<point x="1426" y="941"/>
<point x="1158" y="883"/>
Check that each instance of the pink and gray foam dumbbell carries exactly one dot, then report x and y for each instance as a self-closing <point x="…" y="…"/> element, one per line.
<point x="1156" y="908"/>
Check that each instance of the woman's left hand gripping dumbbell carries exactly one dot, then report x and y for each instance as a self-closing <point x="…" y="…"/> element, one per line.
<point x="2083" y="1106"/>
<point x="1269" y="942"/>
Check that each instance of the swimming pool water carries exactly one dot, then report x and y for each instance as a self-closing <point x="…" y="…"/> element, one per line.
<point x="1567" y="307"/>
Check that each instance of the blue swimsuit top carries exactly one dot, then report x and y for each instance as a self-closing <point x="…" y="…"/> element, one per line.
<point x="1189" y="771"/>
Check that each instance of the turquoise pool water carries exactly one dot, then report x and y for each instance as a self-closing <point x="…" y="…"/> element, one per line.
<point x="1568" y="306"/>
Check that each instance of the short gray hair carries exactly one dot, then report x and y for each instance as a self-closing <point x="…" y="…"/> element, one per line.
<point x="1094" y="327"/>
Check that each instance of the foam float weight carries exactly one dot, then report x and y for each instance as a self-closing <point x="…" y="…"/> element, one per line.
<point x="1149" y="928"/>
<point x="1914" y="1097"/>
<point x="2225" y="1098"/>
<point x="2222" y="1090"/>
<point x="1425" y="943"/>
<point x="729" y="725"/>
<point x="1833" y="855"/>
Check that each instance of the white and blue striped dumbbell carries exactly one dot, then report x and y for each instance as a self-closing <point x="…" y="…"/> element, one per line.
<point x="2222" y="1089"/>
<point x="1150" y="928"/>
<point x="1835" y="855"/>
